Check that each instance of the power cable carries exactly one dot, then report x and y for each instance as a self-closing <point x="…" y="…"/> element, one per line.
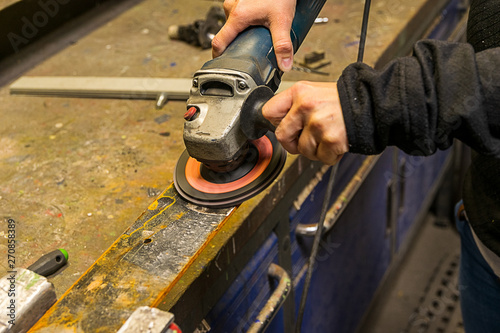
<point x="329" y="188"/>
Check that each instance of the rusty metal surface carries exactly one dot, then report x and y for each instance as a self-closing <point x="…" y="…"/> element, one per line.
<point x="77" y="172"/>
<point x="141" y="266"/>
<point x="157" y="259"/>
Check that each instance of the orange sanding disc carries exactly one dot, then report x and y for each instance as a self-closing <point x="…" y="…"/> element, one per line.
<point x="197" y="184"/>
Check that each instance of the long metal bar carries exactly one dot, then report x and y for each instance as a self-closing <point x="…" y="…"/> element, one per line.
<point x="102" y="87"/>
<point x="107" y="87"/>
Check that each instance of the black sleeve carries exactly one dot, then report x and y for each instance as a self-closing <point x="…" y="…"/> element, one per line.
<point x="420" y="103"/>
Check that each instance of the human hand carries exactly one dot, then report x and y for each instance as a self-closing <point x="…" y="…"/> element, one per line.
<point x="276" y="15"/>
<point x="309" y="121"/>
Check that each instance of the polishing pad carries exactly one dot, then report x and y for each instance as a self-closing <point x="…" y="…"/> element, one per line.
<point x="205" y="187"/>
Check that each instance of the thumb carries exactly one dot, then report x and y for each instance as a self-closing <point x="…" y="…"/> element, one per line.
<point x="277" y="107"/>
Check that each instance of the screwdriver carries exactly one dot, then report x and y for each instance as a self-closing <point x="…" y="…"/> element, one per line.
<point x="49" y="263"/>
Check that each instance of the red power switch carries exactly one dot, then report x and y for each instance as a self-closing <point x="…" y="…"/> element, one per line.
<point x="191" y="113"/>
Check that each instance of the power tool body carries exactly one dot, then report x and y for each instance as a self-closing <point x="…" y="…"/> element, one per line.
<point x="231" y="151"/>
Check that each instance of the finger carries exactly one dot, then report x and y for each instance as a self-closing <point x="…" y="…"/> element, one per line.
<point x="228" y="6"/>
<point x="277" y="107"/>
<point x="327" y="154"/>
<point x="225" y="36"/>
<point x="289" y="142"/>
<point x="289" y="131"/>
<point x="283" y="47"/>
<point x="308" y="145"/>
<point x="332" y="144"/>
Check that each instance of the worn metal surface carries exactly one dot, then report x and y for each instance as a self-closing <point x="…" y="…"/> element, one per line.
<point x="77" y="172"/>
<point x="147" y="320"/>
<point x="140" y="267"/>
<point x="24" y="298"/>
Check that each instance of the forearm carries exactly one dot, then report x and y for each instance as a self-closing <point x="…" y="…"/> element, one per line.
<point x="420" y="103"/>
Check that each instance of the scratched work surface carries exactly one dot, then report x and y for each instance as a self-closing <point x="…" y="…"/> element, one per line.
<point x="143" y="261"/>
<point x="5" y="3"/>
<point x="76" y="173"/>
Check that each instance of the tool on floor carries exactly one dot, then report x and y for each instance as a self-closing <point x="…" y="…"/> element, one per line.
<point x="50" y="263"/>
<point x="231" y="152"/>
<point x="314" y="60"/>
<point x="200" y="32"/>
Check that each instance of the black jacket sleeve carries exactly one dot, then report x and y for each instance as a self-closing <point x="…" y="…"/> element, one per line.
<point x="420" y="103"/>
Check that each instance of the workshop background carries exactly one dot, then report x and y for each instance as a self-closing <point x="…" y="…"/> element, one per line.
<point x="93" y="176"/>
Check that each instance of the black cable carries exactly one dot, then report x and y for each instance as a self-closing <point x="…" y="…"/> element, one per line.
<point x="364" y="29"/>
<point x="329" y="188"/>
<point x="315" y="247"/>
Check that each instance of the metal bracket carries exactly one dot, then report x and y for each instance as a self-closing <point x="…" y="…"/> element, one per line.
<point x="336" y="209"/>
<point x="275" y="301"/>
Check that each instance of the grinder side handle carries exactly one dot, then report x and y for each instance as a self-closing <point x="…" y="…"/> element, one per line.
<point x="252" y="122"/>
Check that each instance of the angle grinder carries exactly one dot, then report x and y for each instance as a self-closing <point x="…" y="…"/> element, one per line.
<point x="231" y="151"/>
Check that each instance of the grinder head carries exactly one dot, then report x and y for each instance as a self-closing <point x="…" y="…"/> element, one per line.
<point x="228" y="157"/>
<point x="224" y="113"/>
<point x="260" y="166"/>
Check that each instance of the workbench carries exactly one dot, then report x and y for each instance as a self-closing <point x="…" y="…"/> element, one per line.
<point x="77" y="172"/>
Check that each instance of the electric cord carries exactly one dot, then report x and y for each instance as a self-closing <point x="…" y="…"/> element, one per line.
<point x="329" y="189"/>
<point x="315" y="247"/>
<point x="364" y="29"/>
